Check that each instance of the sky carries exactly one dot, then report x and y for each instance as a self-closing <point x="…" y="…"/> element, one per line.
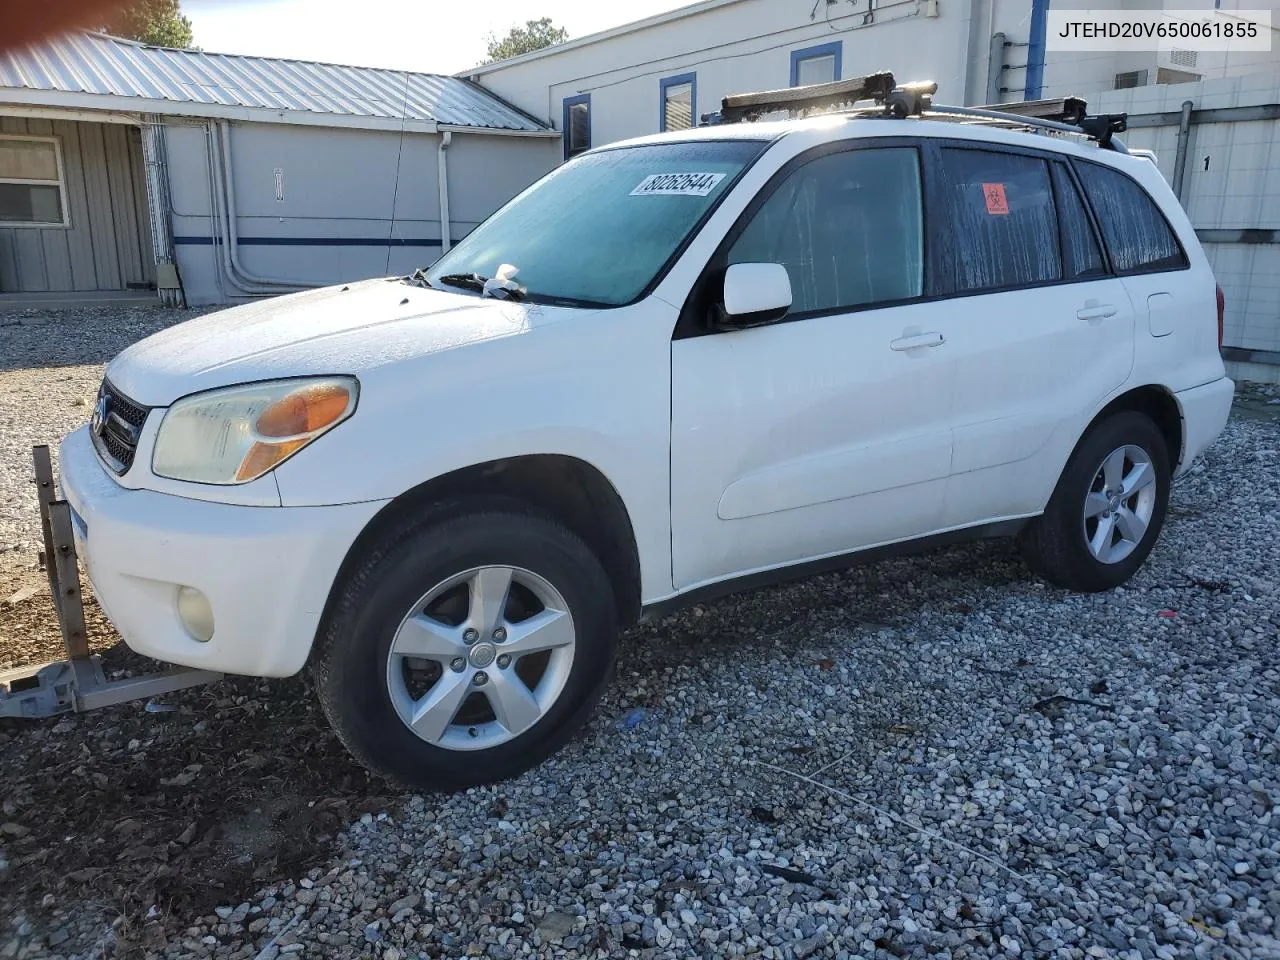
<point x="432" y="36"/>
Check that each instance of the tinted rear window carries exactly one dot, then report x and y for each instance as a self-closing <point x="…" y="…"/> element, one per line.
<point x="1000" y="217"/>
<point x="1136" y="233"/>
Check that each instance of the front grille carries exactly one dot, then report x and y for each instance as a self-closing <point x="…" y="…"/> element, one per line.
<point x="116" y="427"/>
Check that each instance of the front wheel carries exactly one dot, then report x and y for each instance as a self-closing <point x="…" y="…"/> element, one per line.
<point x="1108" y="508"/>
<point x="467" y="648"/>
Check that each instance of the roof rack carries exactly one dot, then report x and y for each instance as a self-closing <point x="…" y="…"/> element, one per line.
<point x="1063" y="109"/>
<point x="818" y="96"/>
<point x="891" y="99"/>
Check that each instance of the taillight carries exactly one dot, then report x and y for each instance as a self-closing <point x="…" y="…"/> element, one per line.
<point x="1222" y="307"/>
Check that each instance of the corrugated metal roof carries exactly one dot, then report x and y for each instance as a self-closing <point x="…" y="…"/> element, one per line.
<point x="92" y="63"/>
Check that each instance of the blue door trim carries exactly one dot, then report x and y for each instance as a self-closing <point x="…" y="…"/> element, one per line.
<point x="810" y="53"/>
<point x="564" y="119"/>
<point x="689" y="78"/>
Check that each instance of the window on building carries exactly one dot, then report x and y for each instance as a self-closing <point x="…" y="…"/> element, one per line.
<point x="1131" y="79"/>
<point x="820" y="64"/>
<point x="679" y="102"/>
<point x="576" y="125"/>
<point x="32" y="191"/>
<point x="1001" y="227"/>
<point x="1167" y="75"/>
<point x="847" y="227"/>
<point x="1135" y="231"/>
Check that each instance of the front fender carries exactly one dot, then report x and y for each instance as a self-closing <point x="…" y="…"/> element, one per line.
<point x="596" y="389"/>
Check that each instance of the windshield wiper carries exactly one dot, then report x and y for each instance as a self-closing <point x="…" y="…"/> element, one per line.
<point x="473" y="281"/>
<point x="468" y="281"/>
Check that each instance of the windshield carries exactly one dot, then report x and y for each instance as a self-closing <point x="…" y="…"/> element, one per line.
<point x="597" y="230"/>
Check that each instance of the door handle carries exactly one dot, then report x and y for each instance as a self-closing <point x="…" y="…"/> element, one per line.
<point x="917" y="340"/>
<point x="1093" y="310"/>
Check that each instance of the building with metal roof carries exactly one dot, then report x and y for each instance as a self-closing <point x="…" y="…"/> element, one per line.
<point x="96" y="71"/>
<point x="210" y="177"/>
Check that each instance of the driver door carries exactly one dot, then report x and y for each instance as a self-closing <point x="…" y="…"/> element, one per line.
<point x="827" y="431"/>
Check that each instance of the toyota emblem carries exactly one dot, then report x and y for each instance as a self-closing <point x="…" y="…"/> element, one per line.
<point x="99" y="412"/>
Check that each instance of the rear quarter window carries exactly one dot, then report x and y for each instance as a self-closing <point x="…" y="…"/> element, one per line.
<point x="1136" y="233"/>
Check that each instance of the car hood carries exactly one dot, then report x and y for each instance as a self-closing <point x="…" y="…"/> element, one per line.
<point x="333" y="330"/>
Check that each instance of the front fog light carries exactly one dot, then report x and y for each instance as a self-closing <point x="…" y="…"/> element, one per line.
<point x="195" y="613"/>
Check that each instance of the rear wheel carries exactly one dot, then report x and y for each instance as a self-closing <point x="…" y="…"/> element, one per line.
<point x="466" y="650"/>
<point x="1108" y="508"/>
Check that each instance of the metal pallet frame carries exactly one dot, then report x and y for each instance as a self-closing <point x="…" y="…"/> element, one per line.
<point x="76" y="684"/>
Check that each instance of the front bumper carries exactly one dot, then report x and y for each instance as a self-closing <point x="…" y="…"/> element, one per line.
<point x="266" y="571"/>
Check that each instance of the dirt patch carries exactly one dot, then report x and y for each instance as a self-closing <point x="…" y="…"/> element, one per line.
<point x="153" y="815"/>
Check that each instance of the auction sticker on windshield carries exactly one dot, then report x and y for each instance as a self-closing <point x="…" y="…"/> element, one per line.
<point x="677" y="185"/>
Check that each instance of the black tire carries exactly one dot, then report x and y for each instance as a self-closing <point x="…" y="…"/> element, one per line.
<point x="1055" y="545"/>
<point x="351" y="660"/>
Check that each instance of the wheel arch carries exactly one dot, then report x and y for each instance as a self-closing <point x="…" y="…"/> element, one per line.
<point x="569" y="490"/>
<point x="1152" y="400"/>
<point x="1157" y="403"/>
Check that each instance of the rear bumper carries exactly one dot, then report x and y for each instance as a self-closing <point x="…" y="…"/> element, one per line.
<point x="1204" y="410"/>
<point x="266" y="571"/>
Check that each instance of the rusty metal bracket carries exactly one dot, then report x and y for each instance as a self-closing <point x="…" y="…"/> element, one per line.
<point x="77" y="683"/>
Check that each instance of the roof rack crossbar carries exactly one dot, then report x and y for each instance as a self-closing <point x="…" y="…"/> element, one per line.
<point x="1062" y="109"/>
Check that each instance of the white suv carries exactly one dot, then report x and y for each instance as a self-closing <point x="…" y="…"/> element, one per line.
<point x="675" y="366"/>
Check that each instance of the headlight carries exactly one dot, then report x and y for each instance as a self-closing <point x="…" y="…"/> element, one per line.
<point x="237" y="434"/>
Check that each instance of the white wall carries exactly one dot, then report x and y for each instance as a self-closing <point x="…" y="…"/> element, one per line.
<point x="362" y="186"/>
<point x="735" y="48"/>
<point x="745" y="46"/>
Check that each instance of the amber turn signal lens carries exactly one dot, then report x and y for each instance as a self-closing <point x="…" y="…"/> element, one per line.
<point x="264" y="456"/>
<point x="304" y="411"/>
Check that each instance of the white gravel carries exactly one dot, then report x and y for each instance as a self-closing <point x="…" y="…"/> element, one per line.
<point x="966" y="809"/>
<point x="930" y="756"/>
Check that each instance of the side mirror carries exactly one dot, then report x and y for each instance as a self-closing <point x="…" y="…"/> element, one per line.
<point x="755" y="293"/>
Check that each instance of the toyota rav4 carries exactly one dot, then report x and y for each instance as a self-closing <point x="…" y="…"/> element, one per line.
<point x="675" y="366"/>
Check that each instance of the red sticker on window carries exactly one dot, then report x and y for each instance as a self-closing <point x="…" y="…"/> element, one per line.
<point x="997" y="202"/>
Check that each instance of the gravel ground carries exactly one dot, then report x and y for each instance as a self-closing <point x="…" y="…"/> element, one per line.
<point x="50" y="368"/>
<point x="928" y="756"/>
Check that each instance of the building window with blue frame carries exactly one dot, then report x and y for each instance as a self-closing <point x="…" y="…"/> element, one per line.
<point x="575" y="126"/>
<point x="820" y="64"/>
<point x="678" y="103"/>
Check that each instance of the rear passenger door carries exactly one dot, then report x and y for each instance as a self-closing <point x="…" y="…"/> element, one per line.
<point x="1040" y="330"/>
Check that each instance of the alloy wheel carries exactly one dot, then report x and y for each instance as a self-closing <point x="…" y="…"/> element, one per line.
<point x="481" y="658"/>
<point x="1119" y="504"/>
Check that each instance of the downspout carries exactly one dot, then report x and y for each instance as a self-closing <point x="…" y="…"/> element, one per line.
<point x="1035" y="50"/>
<point x="446" y="138"/>
<point x="972" y="53"/>
<point x="168" y="285"/>
<point x="995" y="68"/>
<point x="233" y="237"/>
<point x="221" y="266"/>
<point x="1184" y="142"/>
<point x="222" y="238"/>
